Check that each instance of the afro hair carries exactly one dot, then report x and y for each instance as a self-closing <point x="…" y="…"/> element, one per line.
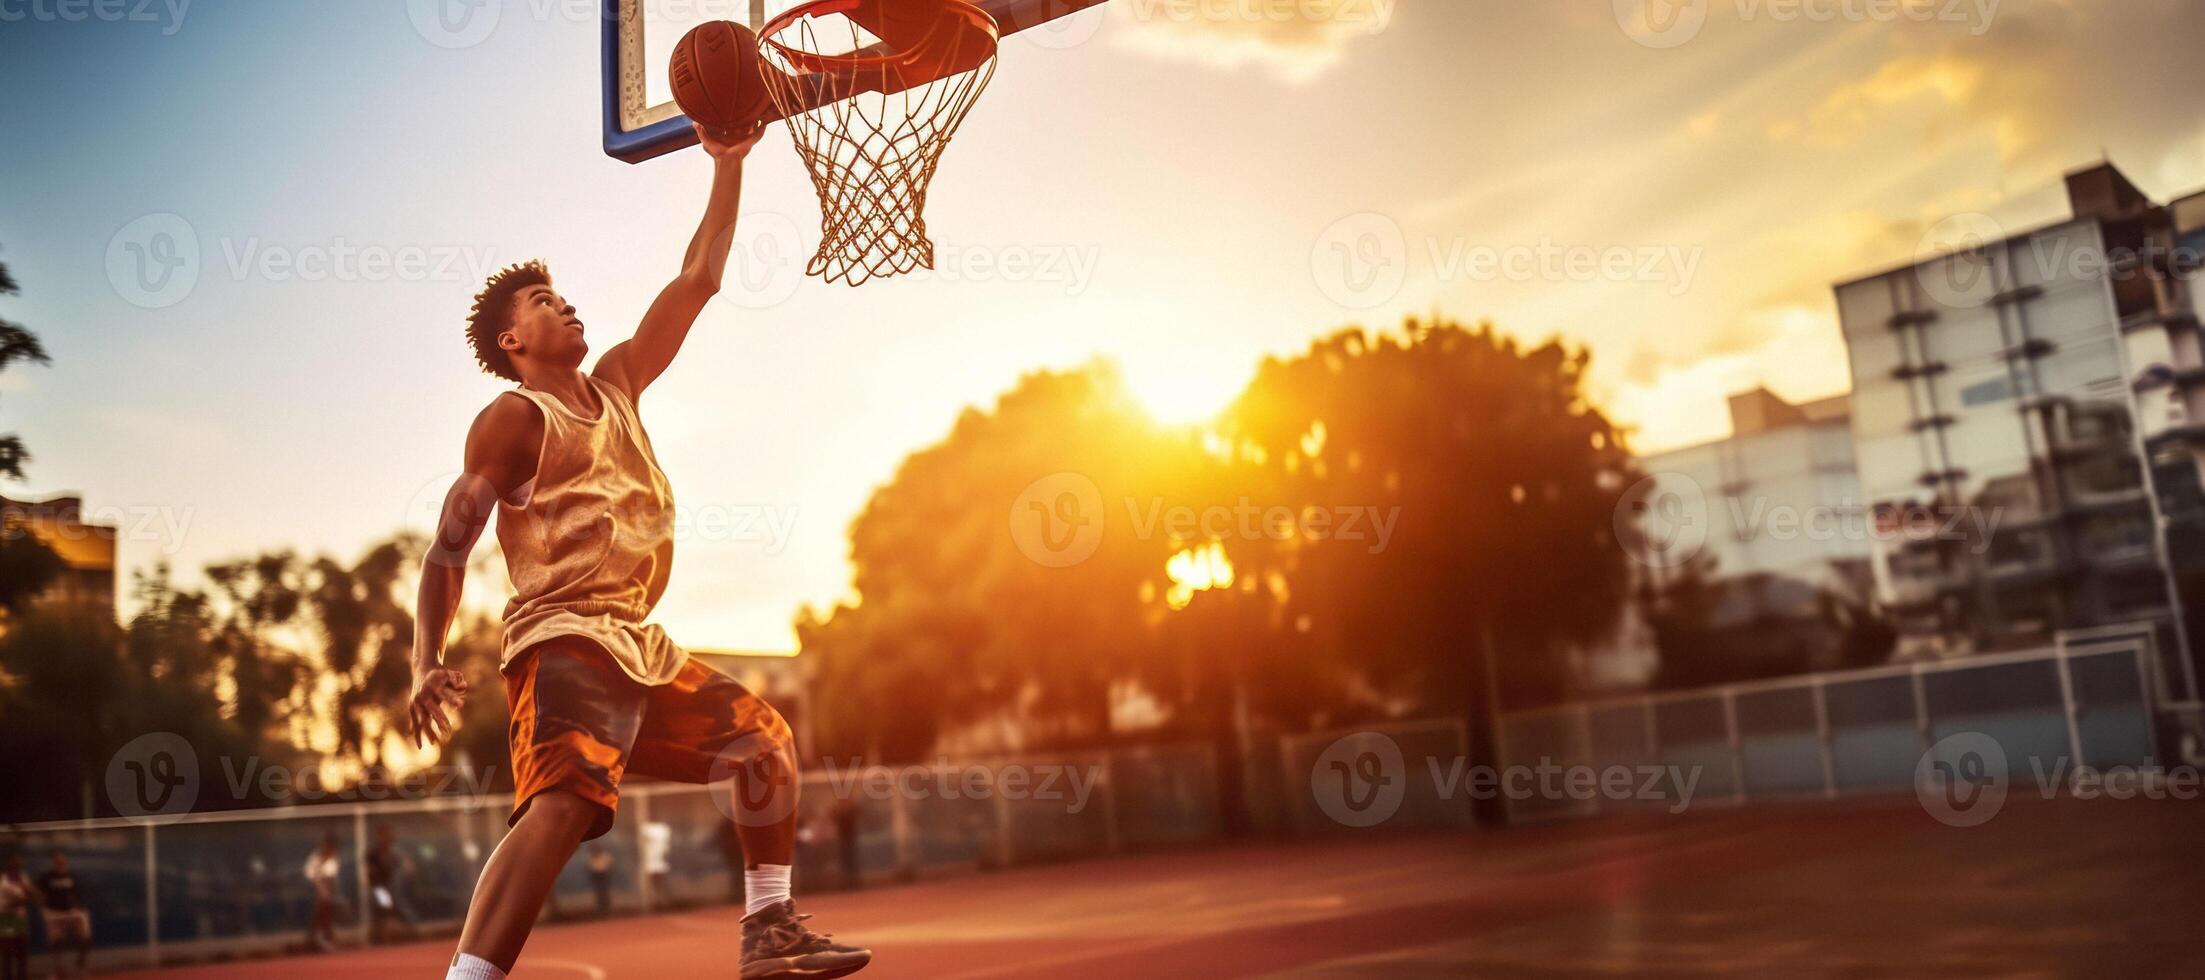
<point x="493" y="313"/>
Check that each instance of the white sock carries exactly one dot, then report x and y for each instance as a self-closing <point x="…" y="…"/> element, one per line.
<point x="465" y="967"/>
<point x="765" y="886"/>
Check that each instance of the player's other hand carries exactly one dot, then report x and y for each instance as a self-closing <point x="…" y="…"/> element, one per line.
<point x="729" y="147"/>
<point x="434" y="690"/>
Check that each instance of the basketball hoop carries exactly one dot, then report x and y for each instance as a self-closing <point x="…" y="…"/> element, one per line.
<point x="873" y="90"/>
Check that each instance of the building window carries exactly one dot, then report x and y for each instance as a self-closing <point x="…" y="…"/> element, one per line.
<point x="2140" y="592"/>
<point x="1987" y="393"/>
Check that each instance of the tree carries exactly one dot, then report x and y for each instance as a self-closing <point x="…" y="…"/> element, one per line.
<point x="16" y="344"/>
<point x="1501" y="482"/>
<point x="959" y="621"/>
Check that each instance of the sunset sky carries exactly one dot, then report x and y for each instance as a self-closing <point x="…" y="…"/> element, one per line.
<point x="1173" y="185"/>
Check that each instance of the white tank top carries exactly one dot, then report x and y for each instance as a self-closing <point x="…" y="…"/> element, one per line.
<point x="590" y="542"/>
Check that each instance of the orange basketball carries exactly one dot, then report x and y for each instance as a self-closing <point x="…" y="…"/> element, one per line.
<point x="716" y="76"/>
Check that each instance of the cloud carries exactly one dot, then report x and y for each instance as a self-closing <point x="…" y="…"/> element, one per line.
<point x="1295" y="40"/>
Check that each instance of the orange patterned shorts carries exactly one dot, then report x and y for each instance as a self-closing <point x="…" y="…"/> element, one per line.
<point x="579" y="723"/>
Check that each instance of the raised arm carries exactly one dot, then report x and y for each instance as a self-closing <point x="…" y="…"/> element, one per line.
<point x="633" y="364"/>
<point x="501" y="456"/>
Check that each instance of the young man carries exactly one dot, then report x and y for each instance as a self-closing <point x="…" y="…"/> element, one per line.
<point x="68" y="922"/>
<point x="585" y="520"/>
<point x="322" y="868"/>
<point x="15" y="922"/>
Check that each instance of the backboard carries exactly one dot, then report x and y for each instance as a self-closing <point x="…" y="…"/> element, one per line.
<point x="641" y="120"/>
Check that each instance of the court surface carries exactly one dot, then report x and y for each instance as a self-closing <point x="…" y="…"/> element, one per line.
<point x="2061" y="888"/>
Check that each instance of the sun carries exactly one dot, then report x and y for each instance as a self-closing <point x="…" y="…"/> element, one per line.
<point x="1183" y="393"/>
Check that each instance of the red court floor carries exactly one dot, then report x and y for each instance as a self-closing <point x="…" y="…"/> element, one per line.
<point x="2060" y="888"/>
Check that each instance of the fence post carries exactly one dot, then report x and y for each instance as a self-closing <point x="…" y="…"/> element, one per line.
<point x="899" y="828"/>
<point x="1921" y="710"/>
<point x="1109" y="788"/>
<point x="152" y="898"/>
<point x="642" y="860"/>
<point x="362" y="898"/>
<point x="1822" y="732"/>
<point x="1585" y="752"/>
<point x="1002" y="830"/>
<point x="2069" y="708"/>
<point x="1737" y="746"/>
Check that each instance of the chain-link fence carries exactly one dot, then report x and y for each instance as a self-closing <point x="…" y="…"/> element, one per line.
<point x="2088" y="704"/>
<point x="207" y="885"/>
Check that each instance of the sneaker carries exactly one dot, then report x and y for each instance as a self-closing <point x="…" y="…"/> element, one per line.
<point x="777" y="944"/>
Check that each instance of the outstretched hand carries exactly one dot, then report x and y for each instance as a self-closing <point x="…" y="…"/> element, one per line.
<point x="726" y="146"/>
<point x="434" y="690"/>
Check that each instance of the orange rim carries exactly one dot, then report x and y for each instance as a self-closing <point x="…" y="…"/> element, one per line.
<point x="973" y="23"/>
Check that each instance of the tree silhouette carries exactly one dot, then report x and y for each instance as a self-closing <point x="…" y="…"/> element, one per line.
<point x="1503" y="481"/>
<point x="957" y="621"/>
<point x="27" y="565"/>
<point x="16" y="344"/>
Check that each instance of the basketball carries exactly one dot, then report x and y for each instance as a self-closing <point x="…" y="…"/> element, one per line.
<point x="716" y="77"/>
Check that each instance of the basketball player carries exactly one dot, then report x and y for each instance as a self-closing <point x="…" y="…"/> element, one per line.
<point x="585" y="518"/>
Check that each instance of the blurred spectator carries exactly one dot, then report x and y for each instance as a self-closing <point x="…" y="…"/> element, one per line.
<point x="321" y="872"/>
<point x="68" y="925"/>
<point x="15" y="922"/>
<point x="657" y="844"/>
<point x="601" y="865"/>
<point x="388" y="870"/>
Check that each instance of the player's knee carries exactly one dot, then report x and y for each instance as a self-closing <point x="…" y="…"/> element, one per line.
<point x="565" y="814"/>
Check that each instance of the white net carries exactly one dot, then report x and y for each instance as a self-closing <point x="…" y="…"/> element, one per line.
<point x="871" y="120"/>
